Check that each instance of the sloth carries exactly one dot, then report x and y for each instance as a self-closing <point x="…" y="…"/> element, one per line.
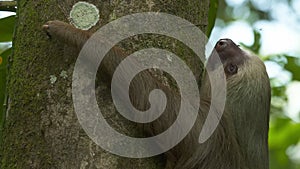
<point x="240" y="140"/>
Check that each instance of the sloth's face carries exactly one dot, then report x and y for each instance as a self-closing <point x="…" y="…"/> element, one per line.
<point x="231" y="56"/>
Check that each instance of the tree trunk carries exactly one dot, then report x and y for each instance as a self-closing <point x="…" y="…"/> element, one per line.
<point x="41" y="129"/>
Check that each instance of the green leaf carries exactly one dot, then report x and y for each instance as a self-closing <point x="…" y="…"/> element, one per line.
<point x="279" y="159"/>
<point x="293" y="65"/>
<point x="212" y="14"/>
<point x="4" y="58"/>
<point x="257" y="43"/>
<point x="7" y="28"/>
<point x="3" y="94"/>
<point x="279" y="91"/>
<point x="283" y="133"/>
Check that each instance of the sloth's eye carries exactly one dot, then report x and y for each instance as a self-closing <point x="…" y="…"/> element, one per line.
<point x="231" y="69"/>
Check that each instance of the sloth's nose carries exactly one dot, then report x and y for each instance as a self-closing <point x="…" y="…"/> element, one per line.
<point x="221" y="44"/>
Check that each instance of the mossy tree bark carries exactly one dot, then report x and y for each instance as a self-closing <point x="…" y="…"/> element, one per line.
<point x="41" y="129"/>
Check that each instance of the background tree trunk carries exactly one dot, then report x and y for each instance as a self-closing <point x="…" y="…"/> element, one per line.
<point x="41" y="129"/>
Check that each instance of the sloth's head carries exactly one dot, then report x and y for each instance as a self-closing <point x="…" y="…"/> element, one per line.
<point x="243" y="70"/>
<point x="231" y="56"/>
<point x="245" y="73"/>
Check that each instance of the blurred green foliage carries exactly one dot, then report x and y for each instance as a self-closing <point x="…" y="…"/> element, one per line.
<point x="3" y="73"/>
<point x="212" y="14"/>
<point x="6" y="28"/>
<point x="6" y="31"/>
<point x="293" y="65"/>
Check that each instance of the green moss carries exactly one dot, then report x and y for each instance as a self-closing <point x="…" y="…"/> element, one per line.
<point x="24" y="145"/>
